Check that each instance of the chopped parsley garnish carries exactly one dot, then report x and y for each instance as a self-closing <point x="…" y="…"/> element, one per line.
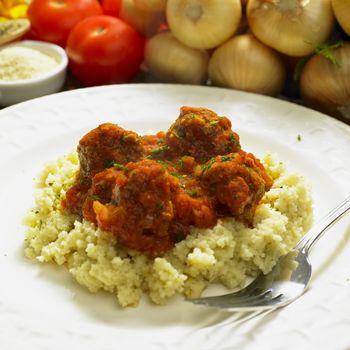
<point x="93" y="198"/>
<point x="179" y="135"/>
<point x="180" y="162"/>
<point x="123" y="139"/>
<point x="233" y="139"/>
<point x="193" y="193"/>
<point x="113" y="164"/>
<point x="214" y="122"/>
<point x="207" y="165"/>
<point x="251" y="186"/>
<point x="156" y="152"/>
<point x="160" y="205"/>
<point x="83" y="181"/>
<point x="175" y="174"/>
<point x="109" y="163"/>
<point x="299" y="137"/>
<point x="226" y="158"/>
<point x="119" y="166"/>
<point x="164" y="164"/>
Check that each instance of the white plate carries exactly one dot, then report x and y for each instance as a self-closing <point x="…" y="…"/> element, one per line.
<point x="41" y="307"/>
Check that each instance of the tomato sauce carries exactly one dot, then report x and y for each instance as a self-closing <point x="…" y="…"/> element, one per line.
<point x="149" y="190"/>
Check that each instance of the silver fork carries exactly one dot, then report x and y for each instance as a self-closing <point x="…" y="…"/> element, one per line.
<point x="286" y="282"/>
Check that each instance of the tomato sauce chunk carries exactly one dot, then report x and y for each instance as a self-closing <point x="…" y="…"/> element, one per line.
<point x="148" y="191"/>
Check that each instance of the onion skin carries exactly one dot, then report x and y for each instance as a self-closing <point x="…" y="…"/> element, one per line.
<point x="325" y="86"/>
<point x="173" y="62"/>
<point x="203" y="24"/>
<point x="341" y="10"/>
<point x="244" y="63"/>
<point x="145" y="22"/>
<point x="293" y="27"/>
<point x="151" y="5"/>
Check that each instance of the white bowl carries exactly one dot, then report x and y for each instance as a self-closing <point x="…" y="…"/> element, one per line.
<point x="16" y="91"/>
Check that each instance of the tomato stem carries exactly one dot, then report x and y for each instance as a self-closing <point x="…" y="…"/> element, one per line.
<point x="100" y="30"/>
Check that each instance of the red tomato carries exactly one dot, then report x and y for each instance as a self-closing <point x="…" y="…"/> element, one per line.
<point x="52" y="20"/>
<point x="111" y="7"/>
<point x="104" y="50"/>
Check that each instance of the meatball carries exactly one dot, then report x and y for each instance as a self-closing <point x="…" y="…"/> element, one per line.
<point x="141" y="210"/>
<point x="194" y="208"/>
<point x="236" y="182"/>
<point x="105" y="145"/>
<point x="202" y="134"/>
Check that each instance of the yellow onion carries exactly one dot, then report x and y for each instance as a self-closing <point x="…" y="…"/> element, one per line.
<point x="293" y="27"/>
<point x="151" y="5"/>
<point x="203" y="24"/>
<point x="325" y="85"/>
<point x="245" y="63"/>
<point x="173" y="62"/>
<point x="341" y="10"/>
<point x="145" y="22"/>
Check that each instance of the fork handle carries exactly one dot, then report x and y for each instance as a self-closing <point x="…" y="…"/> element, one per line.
<point x="321" y="227"/>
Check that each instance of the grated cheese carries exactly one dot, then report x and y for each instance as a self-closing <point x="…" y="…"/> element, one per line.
<point x="20" y="63"/>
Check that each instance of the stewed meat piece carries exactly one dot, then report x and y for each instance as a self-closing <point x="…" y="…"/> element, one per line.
<point x="202" y="134"/>
<point x="105" y="145"/>
<point x="236" y="182"/>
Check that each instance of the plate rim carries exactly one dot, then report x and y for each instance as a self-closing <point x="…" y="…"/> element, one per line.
<point x="324" y="117"/>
